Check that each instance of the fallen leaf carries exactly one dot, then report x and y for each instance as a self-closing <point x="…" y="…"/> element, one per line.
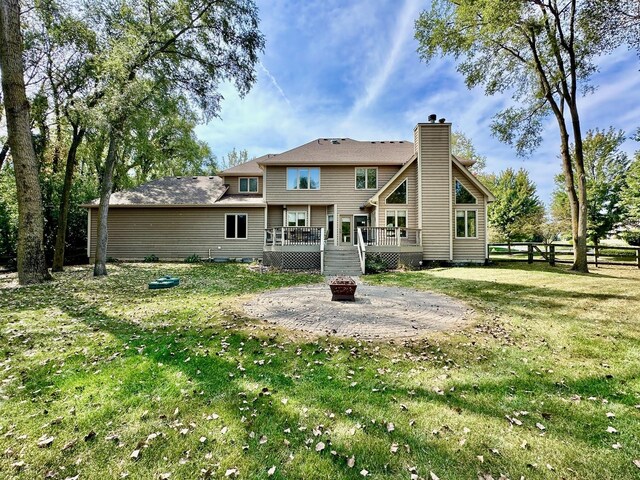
<point x="45" y="441"/>
<point x="231" y="471"/>
<point x="364" y="472"/>
<point x="617" y="446"/>
<point x="319" y="446"/>
<point x="610" y="429"/>
<point x="352" y="461"/>
<point x="540" y="426"/>
<point x="390" y="427"/>
<point x="135" y="454"/>
<point x="271" y="471"/>
<point x="434" y="476"/>
<point x="394" y="448"/>
<point x="636" y="463"/>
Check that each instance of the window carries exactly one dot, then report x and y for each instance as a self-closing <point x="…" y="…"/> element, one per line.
<point x="249" y="185"/>
<point x="466" y="224"/>
<point x="330" y="226"/>
<point x="303" y="178"/>
<point x="366" y="178"/>
<point x="296" y="219"/>
<point x="463" y="195"/>
<point x="399" y="195"/>
<point x="235" y="225"/>
<point x="396" y="219"/>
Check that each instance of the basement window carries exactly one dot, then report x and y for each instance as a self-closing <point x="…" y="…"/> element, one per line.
<point x="235" y="226"/>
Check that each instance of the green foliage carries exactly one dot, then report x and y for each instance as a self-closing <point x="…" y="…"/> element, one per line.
<point x="462" y="146"/>
<point x="193" y="258"/>
<point x="8" y="216"/>
<point x="496" y="44"/>
<point x="235" y="157"/>
<point x="615" y="21"/>
<point x="375" y="264"/>
<point x="632" y="237"/>
<point x="517" y="214"/>
<point x="631" y="190"/>
<point x="151" y="258"/>
<point x="606" y="167"/>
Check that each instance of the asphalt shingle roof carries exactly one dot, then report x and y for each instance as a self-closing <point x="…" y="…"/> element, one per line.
<point x="344" y="151"/>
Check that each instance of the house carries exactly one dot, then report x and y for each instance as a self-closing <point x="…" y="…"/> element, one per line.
<point x="327" y="205"/>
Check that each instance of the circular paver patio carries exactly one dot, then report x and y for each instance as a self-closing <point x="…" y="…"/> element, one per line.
<point x="377" y="313"/>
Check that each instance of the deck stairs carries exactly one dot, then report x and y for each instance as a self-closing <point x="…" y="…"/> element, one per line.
<point x="341" y="260"/>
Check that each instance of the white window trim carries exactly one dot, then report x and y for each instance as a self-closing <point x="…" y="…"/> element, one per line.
<point x="334" y="226"/>
<point x="236" y="223"/>
<point x="248" y="184"/>
<point x="466" y="226"/>
<point x="355" y="178"/>
<point x="395" y="219"/>
<point x="298" y="179"/>
<point x="297" y="212"/>
<point x="406" y="180"/>
<point x="455" y="179"/>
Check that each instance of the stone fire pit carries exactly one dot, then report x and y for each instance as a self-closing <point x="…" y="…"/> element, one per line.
<point x="343" y="289"/>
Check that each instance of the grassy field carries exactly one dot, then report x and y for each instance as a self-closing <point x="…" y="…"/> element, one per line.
<point x="106" y="379"/>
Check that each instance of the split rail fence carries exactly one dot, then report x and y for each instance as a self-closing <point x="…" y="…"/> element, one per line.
<point x="553" y="253"/>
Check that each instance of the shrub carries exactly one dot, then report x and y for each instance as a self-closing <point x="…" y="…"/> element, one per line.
<point x="375" y="264"/>
<point x="193" y="258"/>
<point x="151" y="258"/>
<point x="113" y="260"/>
<point x="632" y="237"/>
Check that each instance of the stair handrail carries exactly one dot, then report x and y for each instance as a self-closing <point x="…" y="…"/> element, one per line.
<point x="362" y="248"/>
<point x="323" y="242"/>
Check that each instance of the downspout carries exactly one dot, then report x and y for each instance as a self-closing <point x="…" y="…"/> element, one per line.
<point x="88" y="232"/>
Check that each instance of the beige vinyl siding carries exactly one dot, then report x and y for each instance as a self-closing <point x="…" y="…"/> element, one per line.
<point x="435" y="164"/>
<point x="469" y="249"/>
<point x="318" y="216"/>
<point x="175" y="233"/>
<point x="410" y="175"/>
<point x="274" y="216"/>
<point x="337" y="186"/>
<point x="234" y="184"/>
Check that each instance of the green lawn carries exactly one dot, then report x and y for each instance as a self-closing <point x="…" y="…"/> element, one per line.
<point x="99" y="371"/>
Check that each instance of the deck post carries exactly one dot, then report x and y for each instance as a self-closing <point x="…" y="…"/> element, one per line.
<point x="398" y="236"/>
<point x="529" y="253"/>
<point x="552" y="255"/>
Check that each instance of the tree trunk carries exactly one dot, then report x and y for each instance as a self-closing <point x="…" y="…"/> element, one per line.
<point x="580" y="263"/>
<point x="65" y="200"/>
<point x="32" y="267"/>
<point x="100" y="265"/>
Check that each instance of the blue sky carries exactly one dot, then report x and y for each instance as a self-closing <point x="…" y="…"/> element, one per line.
<point x="349" y="68"/>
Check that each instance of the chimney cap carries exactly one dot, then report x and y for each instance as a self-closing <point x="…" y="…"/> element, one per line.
<point x="442" y="120"/>
<point x="432" y="118"/>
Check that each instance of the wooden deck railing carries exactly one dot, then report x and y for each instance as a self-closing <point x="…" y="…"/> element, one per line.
<point x="293" y="236"/>
<point x="391" y="236"/>
<point x="553" y="253"/>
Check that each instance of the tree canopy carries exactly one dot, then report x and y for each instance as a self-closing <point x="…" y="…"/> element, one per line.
<point x="542" y="53"/>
